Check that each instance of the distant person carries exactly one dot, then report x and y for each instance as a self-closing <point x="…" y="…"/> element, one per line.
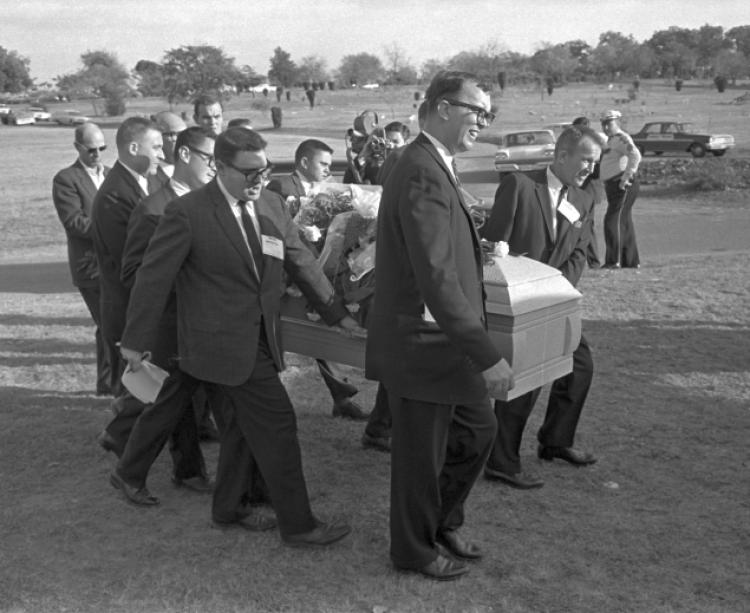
<point x="312" y="165"/>
<point x="223" y="248"/>
<point x="73" y="191"/>
<point x="209" y="114"/>
<point x="619" y="172"/>
<point x="172" y="412"/>
<point x="170" y="125"/>
<point x="596" y="187"/>
<point x="547" y="216"/>
<point x="139" y="153"/>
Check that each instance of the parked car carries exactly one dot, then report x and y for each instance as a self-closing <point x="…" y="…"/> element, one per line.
<point x="4" y="109"/>
<point x="69" y="117"/>
<point x="22" y="118"/>
<point x="660" y="136"/>
<point x="558" y="127"/>
<point x="527" y="150"/>
<point x="40" y="113"/>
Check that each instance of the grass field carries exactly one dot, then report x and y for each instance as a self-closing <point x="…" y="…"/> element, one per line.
<point x="658" y="525"/>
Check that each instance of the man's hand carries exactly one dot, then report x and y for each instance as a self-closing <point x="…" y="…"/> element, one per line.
<point x="134" y="358"/>
<point x="349" y="327"/>
<point x="499" y="379"/>
<point x="625" y="183"/>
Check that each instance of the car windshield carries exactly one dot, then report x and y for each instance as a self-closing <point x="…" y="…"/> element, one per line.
<point x="524" y="139"/>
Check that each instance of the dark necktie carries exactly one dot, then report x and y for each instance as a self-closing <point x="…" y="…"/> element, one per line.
<point x="252" y="237"/>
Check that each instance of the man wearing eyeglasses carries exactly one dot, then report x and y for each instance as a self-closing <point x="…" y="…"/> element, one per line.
<point x="139" y="152"/>
<point x="427" y="339"/>
<point x="172" y="412"/>
<point x="73" y="191"/>
<point x="224" y="247"/>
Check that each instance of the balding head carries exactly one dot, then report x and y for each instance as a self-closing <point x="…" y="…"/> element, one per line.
<point x="170" y="125"/>
<point x="89" y="142"/>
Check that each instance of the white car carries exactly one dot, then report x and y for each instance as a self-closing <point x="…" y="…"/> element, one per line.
<point x="527" y="150"/>
<point x="39" y="113"/>
<point x="69" y="118"/>
<point x="21" y="119"/>
<point x="4" y="109"/>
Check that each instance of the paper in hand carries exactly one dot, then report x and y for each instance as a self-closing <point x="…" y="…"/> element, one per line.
<point x="146" y="382"/>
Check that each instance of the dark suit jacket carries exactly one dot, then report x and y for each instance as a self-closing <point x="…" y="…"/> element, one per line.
<point x="428" y="255"/>
<point x="221" y="304"/>
<point x="114" y="202"/>
<point x="522" y="217"/>
<point x="73" y="193"/>
<point x="288" y="185"/>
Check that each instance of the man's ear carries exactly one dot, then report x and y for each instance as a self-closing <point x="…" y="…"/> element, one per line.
<point x="133" y="148"/>
<point x="183" y="153"/>
<point x="442" y="109"/>
<point x="304" y="163"/>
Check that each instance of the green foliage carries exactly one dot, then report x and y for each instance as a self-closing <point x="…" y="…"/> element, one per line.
<point x="361" y="68"/>
<point x="150" y="77"/>
<point x="102" y="76"/>
<point x="191" y="69"/>
<point x="14" y="72"/>
<point x="312" y="68"/>
<point x="283" y="70"/>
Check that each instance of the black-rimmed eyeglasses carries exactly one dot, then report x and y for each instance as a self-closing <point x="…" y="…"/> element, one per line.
<point x="208" y="158"/>
<point x="93" y="150"/>
<point x="253" y="176"/>
<point x="484" y="117"/>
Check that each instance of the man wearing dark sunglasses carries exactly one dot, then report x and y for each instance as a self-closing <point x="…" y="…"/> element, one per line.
<point x="224" y="248"/>
<point x="73" y="191"/>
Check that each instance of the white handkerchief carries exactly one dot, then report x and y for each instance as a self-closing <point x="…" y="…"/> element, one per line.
<point x="273" y="246"/>
<point x="145" y="383"/>
<point x="569" y="211"/>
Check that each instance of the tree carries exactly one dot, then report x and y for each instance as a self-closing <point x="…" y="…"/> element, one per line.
<point x="102" y="76"/>
<point x="193" y="69"/>
<point x="283" y="70"/>
<point x="615" y="55"/>
<point x="14" y="72"/>
<point x="360" y="69"/>
<point x="150" y="78"/>
<point x="430" y="68"/>
<point x="732" y="64"/>
<point x="398" y="68"/>
<point x="485" y="62"/>
<point x="312" y="69"/>
<point x="554" y="62"/>
<point x="739" y="37"/>
<point x="675" y="51"/>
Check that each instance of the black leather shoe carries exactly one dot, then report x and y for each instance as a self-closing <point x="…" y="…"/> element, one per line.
<point x="324" y="533"/>
<point x="349" y="409"/>
<point x="108" y="443"/>
<point x="379" y="443"/>
<point x="569" y="454"/>
<point x="457" y="546"/>
<point x="199" y="484"/>
<point x="521" y="480"/>
<point x="611" y="266"/>
<point x="138" y="496"/>
<point x="442" y="568"/>
<point x="254" y="522"/>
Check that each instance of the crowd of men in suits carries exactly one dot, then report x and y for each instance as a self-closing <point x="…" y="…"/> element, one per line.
<point x="180" y="250"/>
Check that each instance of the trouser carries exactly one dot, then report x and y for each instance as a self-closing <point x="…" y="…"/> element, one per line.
<point x="437" y="453"/>
<point x="170" y="415"/>
<point x="619" y="232"/>
<point x="259" y="422"/>
<point x="91" y="296"/>
<point x="566" y="399"/>
<point x="335" y="381"/>
<point x="380" y="420"/>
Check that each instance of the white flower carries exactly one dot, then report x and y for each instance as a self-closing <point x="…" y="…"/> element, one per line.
<point x="312" y="233"/>
<point x="501" y="249"/>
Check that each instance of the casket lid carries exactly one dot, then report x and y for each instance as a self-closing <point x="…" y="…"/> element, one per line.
<point x="516" y="285"/>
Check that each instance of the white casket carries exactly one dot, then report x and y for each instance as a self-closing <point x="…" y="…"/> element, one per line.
<point x="533" y="317"/>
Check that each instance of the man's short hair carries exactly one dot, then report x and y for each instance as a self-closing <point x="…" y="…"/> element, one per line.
<point x="240" y="122"/>
<point x="191" y="137"/>
<point x="205" y="100"/>
<point x="446" y="83"/>
<point x="132" y="129"/>
<point x="308" y="148"/>
<point x="233" y="140"/>
<point x="397" y="126"/>
<point x="581" y="121"/>
<point x="572" y="137"/>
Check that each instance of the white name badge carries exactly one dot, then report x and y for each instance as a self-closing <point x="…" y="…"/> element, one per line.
<point x="569" y="211"/>
<point x="427" y="316"/>
<point x="272" y="246"/>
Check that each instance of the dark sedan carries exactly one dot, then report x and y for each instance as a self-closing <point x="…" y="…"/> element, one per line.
<point x="671" y="136"/>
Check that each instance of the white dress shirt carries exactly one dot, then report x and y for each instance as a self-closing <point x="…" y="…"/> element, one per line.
<point x="554" y="187"/>
<point x="235" y="208"/>
<point x="443" y="151"/>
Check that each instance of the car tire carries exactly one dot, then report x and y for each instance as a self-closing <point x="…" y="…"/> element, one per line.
<point x="697" y="150"/>
<point x="719" y="152"/>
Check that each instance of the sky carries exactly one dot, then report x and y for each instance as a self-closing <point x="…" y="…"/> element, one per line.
<point x="54" y="33"/>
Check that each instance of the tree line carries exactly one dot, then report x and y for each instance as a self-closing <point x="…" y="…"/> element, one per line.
<point x="674" y="53"/>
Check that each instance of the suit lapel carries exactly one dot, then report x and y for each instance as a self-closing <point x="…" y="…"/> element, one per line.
<point x="542" y="196"/>
<point x="298" y="188"/>
<point x="228" y="223"/>
<point x="85" y="181"/>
